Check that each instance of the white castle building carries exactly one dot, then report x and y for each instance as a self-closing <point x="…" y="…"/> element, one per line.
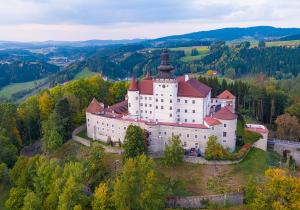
<point x="166" y="106"/>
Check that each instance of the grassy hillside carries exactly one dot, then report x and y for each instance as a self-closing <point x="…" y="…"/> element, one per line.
<point x="13" y="88"/>
<point x="84" y="74"/>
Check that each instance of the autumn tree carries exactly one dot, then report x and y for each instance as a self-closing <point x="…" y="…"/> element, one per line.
<point x="117" y="91"/>
<point x="8" y="151"/>
<point x="135" y="142"/>
<point x="174" y="152"/>
<point x="214" y="150"/>
<point x="46" y="105"/>
<point x="138" y="186"/>
<point x="280" y="191"/>
<point x="31" y="202"/>
<point x="101" y="198"/>
<point x="288" y="127"/>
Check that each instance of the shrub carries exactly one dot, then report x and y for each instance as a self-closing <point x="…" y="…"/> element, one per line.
<point x="174" y="152"/>
<point x="214" y="150"/>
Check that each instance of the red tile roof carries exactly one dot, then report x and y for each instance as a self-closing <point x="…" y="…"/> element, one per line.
<point x="258" y="130"/>
<point x="226" y="95"/>
<point x="146" y="87"/>
<point x="118" y="108"/>
<point x="212" y="121"/>
<point x="190" y="88"/>
<point x="147" y="77"/>
<point x="95" y="107"/>
<point x="225" y="114"/>
<point x="133" y="85"/>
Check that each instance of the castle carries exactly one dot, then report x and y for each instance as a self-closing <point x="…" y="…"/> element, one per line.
<point x="164" y="106"/>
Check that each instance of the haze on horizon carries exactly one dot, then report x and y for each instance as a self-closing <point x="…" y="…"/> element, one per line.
<point x="70" y="20"/>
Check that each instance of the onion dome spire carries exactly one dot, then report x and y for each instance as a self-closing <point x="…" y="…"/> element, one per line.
<point x="165" y="68"/>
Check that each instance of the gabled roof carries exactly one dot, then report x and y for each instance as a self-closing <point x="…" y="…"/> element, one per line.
<point x="192" y="88"/>
<point x="189" y="88"/>
<point x="118" y="108"/>
<point x="225" y="114"/>
<point x="226" y="95"/>
<point x="95" y="107"/>
<point x="212" y="121"/>
<point x="133" y="85"/>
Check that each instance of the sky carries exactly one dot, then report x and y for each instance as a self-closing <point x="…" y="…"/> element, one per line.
<point x="71" y="20"/>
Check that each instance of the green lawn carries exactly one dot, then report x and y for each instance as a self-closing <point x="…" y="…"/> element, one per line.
<point x="203" y="51"/>
<point x="256" y="162"/>
<point x="10" y="89"/>
<point x="283" y="43"/>
<point x="84" y="74"/>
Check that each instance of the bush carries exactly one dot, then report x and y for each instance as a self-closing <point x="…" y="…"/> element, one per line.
<point x="174" y="152"/>
<point x="3" y="171"/>
<point x="214" y="150"/>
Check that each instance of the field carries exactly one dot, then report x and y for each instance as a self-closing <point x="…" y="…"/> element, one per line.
<point x="84" y="74"/>
<point x="8" y="90"/>
<point x="203" y="51"/>
<point x="283" y="43"/>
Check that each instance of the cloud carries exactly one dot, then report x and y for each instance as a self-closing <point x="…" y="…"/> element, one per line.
<point x="84" y="19"/>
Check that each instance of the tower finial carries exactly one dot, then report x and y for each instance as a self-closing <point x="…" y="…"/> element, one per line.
<point x="165" y="68"/>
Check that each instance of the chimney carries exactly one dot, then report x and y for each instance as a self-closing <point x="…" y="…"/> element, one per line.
<point x="186" y="77"/>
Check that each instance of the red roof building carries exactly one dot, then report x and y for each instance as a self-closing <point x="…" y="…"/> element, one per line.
<point x="95" y="107"/>
<point x="226" y="95"/>
<point x="225" y="114"/>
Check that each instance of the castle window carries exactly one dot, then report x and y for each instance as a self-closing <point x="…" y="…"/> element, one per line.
<point x="193" y="120"/>
<point x="170" y="100"/>
<point x="136" y="98"/>
<point x="145" y="98"/>
<point x="161" y="100"/>
<point x="150" y="98"/>
<point x="185" y="101"/>
<point x="163" y="86"/>
<point x="170" y="115"/>
<point x="212" y="101"/>
<point x="146" y="111"/>
<point x="193" y="101"/>
<point x="150" y="105"/>
<point x="185" y="120"/>
<point x="194" y="111"/>
<point x="156" y="107"/>
<point x="224" y="134"/>
<point x="170" y="108"/>
<point x="146" y="105"/>
<point x="178" y="100"/>
<point x="196" y="145"/>
<point x="204" y="137"/>
<point x="178" y="110"/>
<point x="188" y="135"/>
<point x="141" y="97"/>
<point x="124" y="128"/>
<point x="156" y="100"/>
<point x="184" y="144"/>
<point x="129" y="104"/>
<point x="178" y="119"/>
<point x="224" y="141"/>
<point x="162" y="107"/>
<point x="196" y="136"/>
<point x="88" y="120"/>
<point x="141" y="111"/>
<point x="224" y="125"/>
<point x="141" y="104"/>
<point x="165" y="133"/>
<point x="185" y="111"/>
<point x="150" y="112"/>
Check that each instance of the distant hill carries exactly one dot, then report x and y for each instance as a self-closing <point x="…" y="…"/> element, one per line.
<point x="290" y="37"/>
<point x="229" y="34"/>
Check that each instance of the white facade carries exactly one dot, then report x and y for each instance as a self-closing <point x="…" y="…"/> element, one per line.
<point x="167" y="106"/>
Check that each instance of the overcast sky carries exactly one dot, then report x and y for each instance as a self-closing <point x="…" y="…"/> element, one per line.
<point x="38" y="20"/>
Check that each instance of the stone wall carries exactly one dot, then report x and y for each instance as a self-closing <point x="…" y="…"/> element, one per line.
<point x="202" y="201"/>
<point x="79" y="139"/>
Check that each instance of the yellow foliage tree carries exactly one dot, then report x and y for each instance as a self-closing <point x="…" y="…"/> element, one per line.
<point x="280" y="192"/>
<point x="46" y="105"/>
<point x="210" y="73"/>
<point x="101" y="198"/>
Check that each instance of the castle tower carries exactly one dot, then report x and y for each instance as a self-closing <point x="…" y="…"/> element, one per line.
<point x="134" y="99"/>
<point x="165" y="89"/>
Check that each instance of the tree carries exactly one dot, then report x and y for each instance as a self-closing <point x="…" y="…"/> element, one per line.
<point x="280" y="191"/>
<point x="230" y="73"/>
<point x="294" y="110"/>
<point x="31" y="202"/>
<point x="101" y="198"/>
<point x="46" y="105"/>
<point x="174" y="152"/>
<point x="194" y="52"/>
<point x="8" y="151"/>
<point x="3" y="171"/>
<point x="117" y="91"/>
<point x="52" y="141"/>
<point x="261" y="44"/>
<point x="135" y="142"/>
<point x="214" y="150"/>
<point x="288" y="127"/>
<point x="138" y="187"/>
<point x="64" y="113"/>
<point x="16" y="198"/>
